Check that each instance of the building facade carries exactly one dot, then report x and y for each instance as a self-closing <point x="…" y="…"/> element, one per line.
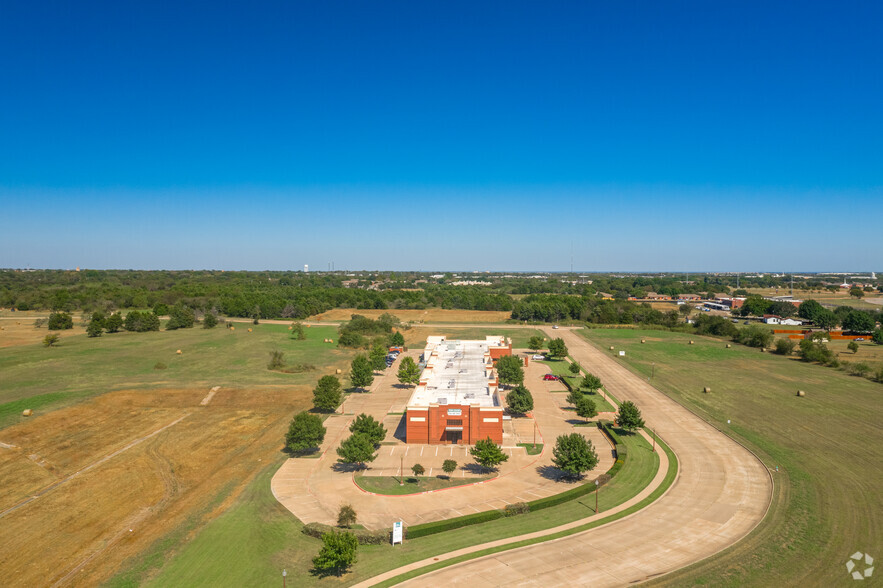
<point x="457" y="400"/>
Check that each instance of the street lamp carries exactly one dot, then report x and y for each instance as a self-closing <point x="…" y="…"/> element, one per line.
<point x="597" y="490"/>
<point x="284" y="573"/>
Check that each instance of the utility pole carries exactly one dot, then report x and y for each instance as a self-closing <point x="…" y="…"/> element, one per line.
<point x="402" y="471"/>
<point x="597" y="491"/>
<point x="535" y="434"/>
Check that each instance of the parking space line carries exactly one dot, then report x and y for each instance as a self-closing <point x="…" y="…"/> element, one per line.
<point x="391" y="449"/>
<point x="421" y="450"/>
<point x="436" y="450"/>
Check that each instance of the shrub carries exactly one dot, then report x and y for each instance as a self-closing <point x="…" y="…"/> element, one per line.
<point x="50" y="340"/>
<point x="784" y="346"/>
<point x="180" y="317"/>
<point x="277" y="360"/>
<point x="347" y="516"/>
<point x="305" y="432"/>
<point x="159" y="366"/>
<point x="363" y="536"/>
<point x="59" y="321"/>
<point x="859" y="369"/>
<point x="516" y="508"/>
<point x="754" y="336"/>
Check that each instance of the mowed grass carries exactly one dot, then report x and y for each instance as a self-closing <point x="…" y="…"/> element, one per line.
<point x="256" y="538"/>
<point x="560" y="367"/>
<point x="828" y="447"/>
<point x="44" y="378"/>
<point x="392" y="486"/>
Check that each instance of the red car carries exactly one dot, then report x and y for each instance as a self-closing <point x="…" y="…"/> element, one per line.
<point x="551" y="377"/>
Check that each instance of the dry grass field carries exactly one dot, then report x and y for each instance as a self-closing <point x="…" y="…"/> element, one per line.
<point x="430" y="315"/>
<point x="109" y="486"/>
<point x="17" y="328"/>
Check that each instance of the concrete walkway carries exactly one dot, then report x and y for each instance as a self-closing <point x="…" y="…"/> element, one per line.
<point x="722" y="492"/>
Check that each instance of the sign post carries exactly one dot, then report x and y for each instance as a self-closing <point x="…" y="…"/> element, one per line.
<point x="397" y="532"/>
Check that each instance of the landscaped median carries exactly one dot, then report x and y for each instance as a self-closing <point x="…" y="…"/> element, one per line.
<point x="391" y="486"/>
<point x="637" y="481"/>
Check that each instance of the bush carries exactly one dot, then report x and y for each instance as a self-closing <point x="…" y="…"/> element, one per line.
<point x="860" y="369"/>
<point x="363" y="536"/>
<point x="516" y="508"/>
<point x="159" y="366"/>
<point x="50" y="340"/>
<point x="180" y="317"/>
<point x="449" y="524"/>
<point x="277" y="360"/>
<point x="59" y="321"/>
<point x="347" y="516"/>
<point x="784" y="347"/>
<point x="754" y="336"/>
<point x="209" y="321"/>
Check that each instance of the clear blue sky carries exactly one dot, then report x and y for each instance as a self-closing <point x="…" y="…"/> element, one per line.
<point x="450" y="135"/>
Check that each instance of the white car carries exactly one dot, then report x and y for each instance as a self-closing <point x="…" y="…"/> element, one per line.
<point x="538" y="357"/>
<point x="554" y="326"/>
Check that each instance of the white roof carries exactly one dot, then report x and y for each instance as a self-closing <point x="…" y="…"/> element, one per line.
<point x="457" y="372"/>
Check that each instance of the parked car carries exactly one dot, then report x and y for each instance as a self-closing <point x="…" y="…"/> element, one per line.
<point x="538" y="357"/>
<point x="859" y="338"/>
<point x="554" y="326"/>
<point x="551" y="377"/>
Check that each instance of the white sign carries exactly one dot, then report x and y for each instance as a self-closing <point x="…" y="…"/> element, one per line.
<point x="455" y="412"/>
<point x="621" y="353"/>
<point x="397" y="531"/>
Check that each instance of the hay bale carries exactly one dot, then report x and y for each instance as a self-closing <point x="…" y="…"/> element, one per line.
<point x="706" y="390"/>
<point x="611" y="348"/>
<point x="27" y="412"/>
<point x="331" y="340"/>
<point x="691" y="341"/>
<point x="801" y="393"/>
<point x="339" y="371"/>
<point x="728" y="345"/>
<point x="643" y="340"/>
<point x="232" y="328"/>
<point x="249" y="330"/>
<point x="179" y="352"/>
<point x="289" y="328"/>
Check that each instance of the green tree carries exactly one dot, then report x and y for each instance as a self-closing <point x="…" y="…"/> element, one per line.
<point x="378" y="357"/>
<point x="59" y="321"/>
<point x="519" y="400"/>
<point x="346" y="517"/>
<point x="209" y="320"/>
<point x="338" y="552"/>
<point x="535" y="343"/>
<point x="685" y="309"/>
<point x="585" y="407"/>
<point x="852" y="346"/>
<point x="369" y="427"/>
<point x="629" y="416"/>
<point x="573" y="396"/>
<point x="327" y="395"/>
<point x="856" y="292"/>
<point x="755" y="305"/>
<point x="809" y="309"/>
<point x="180" y="317"/>
<point x="418" y="469"/>
<point x="409" y="373"/>
<point x="277" y="360"/>
<point x="488" y="454"/>
<point x="297" y="332"/>
<point x="449" y="467"/>
<point x="826" y="319"/>
<point x="305" y="432"/>
<point x="160" y="309"/>
<point x="557" y="348"/>
<point x="782" y="309"/>
<point x="592" y="382"/>
<point x="93" y="329"/>
<point x="361" y="374"/>
<point x="99" y="318"/>
<point x="51" y="340"/>
<point x="397" y="340"/>
<point x="574" y="455"/>
<point x="510" y="370"/>
<point x="878" y="337"/>
<point x="114" y="323"/>
<point x="754" y="336"/>
<point x="573" y="368"/>
<point x="858" y="321"/>
<point x="784" y="346"/>
<point x="356" y="449"/>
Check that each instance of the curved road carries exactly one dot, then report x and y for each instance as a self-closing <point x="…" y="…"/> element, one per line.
<point x="722" y="492"/>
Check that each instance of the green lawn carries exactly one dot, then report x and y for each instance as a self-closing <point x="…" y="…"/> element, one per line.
<point x="47" y="378"/>
<point x="391" y="485"/>
<point x="256" y="538"/>
<point x="560" y="367"/>
<point x="828" y="447"/>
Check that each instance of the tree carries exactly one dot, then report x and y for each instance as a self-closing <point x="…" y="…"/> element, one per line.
<point x="510" y="370"/>
<point x="449" y="467"/>
<point x="397" y="340"/>
<point x="856" y="292"/>
<point x="361" y="374"/>
<point x="277" y="360"/>
<point x="114" y="323"/>
<point x="878" y="337"/>
<point x="93" y="329"/>
<point x="372" y="429"/>
<point x="557" y="348"/>
<point x="59" y="321"/>
<point x="418" y="469"/>
<point x="809" y="310"/>
<point x="784" y="346"/>
<point x="99" y="318"/>
<point x="755" y="305"/>
<point x="297" y="332"/>
<point x="573" y="455"/>
<point x="859" y="321"/>
<point x="327" y="394"/>
<point x="160" y="309"/>
<point x="573" y="368"/>
<point x="852" y="346"/>
<point x="592" y="382"/>
<point x="346" y="517"/>
<point x="826" y="319"/>
<point x="210" y="320"/>
<point x="180" y="317"/>
<point x="51" y="339"/>
<point x="685" y="309"/>
<point x="629" y="416"/>
<point x="305" y="432"/>
<point x="409" y="373"/>
<point x="378" y="357"/>
<point x="782" y="309"/>
<point x="488" y="454"/>
<point x="338" y="551"/>
<point x="520" y="400"/>
<point x="535" y="343"/>
<point x="585" y="407"/>
<point x="754" y="336"/>
<point x="356" y="449"/>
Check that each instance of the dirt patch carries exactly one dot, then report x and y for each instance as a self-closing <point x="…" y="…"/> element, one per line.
<point x="192" y="468"/>
<point x="431" y="315"/>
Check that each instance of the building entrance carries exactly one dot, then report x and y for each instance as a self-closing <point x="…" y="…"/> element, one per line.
<point x="453" y="437"/>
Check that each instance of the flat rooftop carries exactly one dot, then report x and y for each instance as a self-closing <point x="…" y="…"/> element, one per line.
<point x="457" y="372"/>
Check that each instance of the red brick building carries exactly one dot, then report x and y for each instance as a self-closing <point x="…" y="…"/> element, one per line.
<point x="457" y="400"/>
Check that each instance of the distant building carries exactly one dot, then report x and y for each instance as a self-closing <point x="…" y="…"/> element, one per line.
<point x="655" y="296"/>
<point x="306" y="269"/>
<point x="689" y="297"/>
<point x="605" y="296"/>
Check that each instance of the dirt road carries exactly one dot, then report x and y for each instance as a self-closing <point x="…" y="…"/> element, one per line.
<point x="721" y="494"/>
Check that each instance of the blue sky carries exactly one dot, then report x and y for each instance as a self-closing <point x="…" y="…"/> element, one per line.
<point x="648" y="136"/>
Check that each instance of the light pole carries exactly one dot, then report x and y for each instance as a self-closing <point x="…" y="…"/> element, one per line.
<point x="597" y="490"/>
<point x="402" y="471"/>
<point x="535" y="434"/>
<point x="284" y="573"/>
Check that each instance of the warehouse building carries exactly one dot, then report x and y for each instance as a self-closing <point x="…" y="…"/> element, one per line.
<point x="457" y="400"/>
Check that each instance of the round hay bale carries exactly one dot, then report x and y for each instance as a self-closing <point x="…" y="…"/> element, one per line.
<point x="801" y="393"/>
<point x="706" y="390"/>
<point x="179" y="352"/>
<point x="331" y="340"/>
<point x="249" y="330"/>
<point x="728" y="345"/>
<point x="289" y="328"/>
<point x="27" y="412"/>
<point x="232" y="328"/>
<point x="643" y="340"/>
<point x="339" y="371"/>
<point x="611" y="348"/>
<point x="691" y="341"/>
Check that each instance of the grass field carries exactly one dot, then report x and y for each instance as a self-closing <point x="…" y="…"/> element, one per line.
<point x="828" y="447"/>
<point x="560" y="368"/>
<point x="429" y="315"/>
<point x="43" y="378"/>
<point x="390" y="485"/>
<point x="251" y="543"/>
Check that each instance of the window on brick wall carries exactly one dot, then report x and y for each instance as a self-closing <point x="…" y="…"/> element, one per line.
<point x="455" y="422"/>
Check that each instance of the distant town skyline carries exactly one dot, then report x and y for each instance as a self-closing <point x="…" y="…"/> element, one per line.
<point x="638" y="137"/>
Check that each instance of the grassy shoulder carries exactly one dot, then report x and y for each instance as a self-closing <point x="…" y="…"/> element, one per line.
<point x="828" y="447"/>
<point x="256" y="538"/>
<point x="561" y="368"/>
<point x="392" y="485"/>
